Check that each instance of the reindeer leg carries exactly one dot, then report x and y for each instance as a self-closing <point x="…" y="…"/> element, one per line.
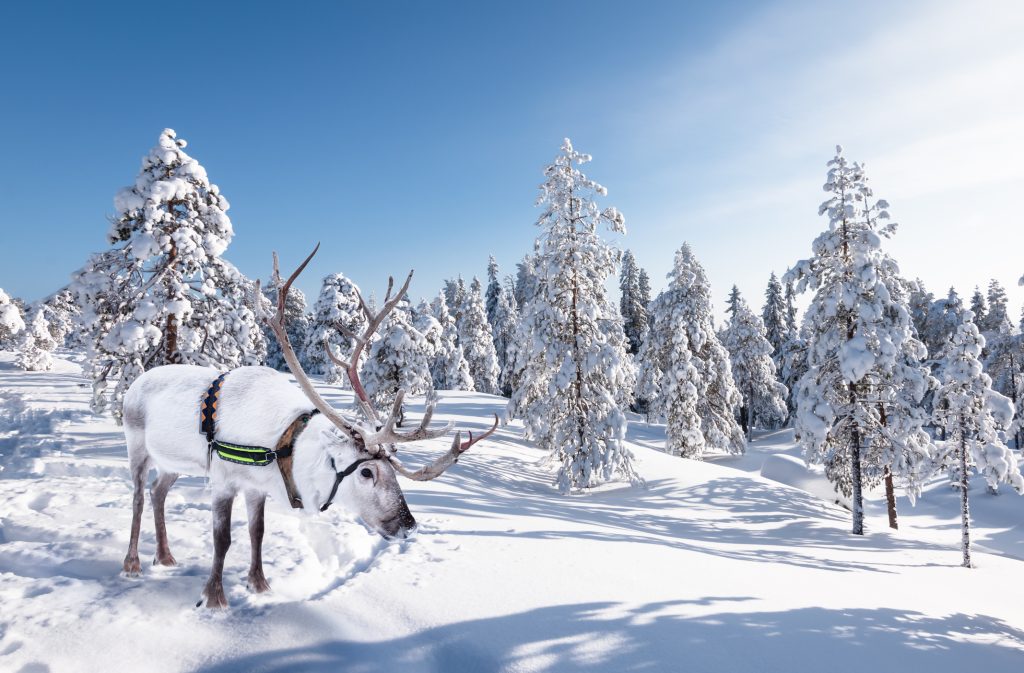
<point x="255" y="504"/>
<point x="139" y="468"/>
<point x="158" y="494"/>
<point x="214" y="590"/>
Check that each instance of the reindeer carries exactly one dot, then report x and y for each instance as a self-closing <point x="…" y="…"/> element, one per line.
<point x="312" y="456"/>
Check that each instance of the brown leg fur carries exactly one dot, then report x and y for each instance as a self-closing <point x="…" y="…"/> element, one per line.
<point x="256" y="504"/>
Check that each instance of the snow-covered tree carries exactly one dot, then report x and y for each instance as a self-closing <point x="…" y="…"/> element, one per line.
<point x="858" y="405"/>
<point x="1005" y="365"/>
<point x="943" y="317"/>
<point x="794" y="366"/>
<point x="36" y="346"/>
<point x="631" y="304"/>
<point x="163" y="293"/>
<point x="920" y="302"/>
<point x="477" y="341"/>
<point x="567" y="395"/>
<point x="504" y="327"/>
<point x="686" y="305"/>
<point x="526" y="280"/>
<point x="791" y="323"/>
<point x="297" y="324"/>
<point x="336" y="309"/>
<point x="455" y="296"/>
<point x="998" y="309"/>
<point x="979" y="307"/>
<point x="493" y="289"/>
<point x="753" y="370"/>
<point x="11" y="321"/>
<point x="973" y="416"/>
<point x="448" y="369"/>
<point x="398" y="359"/>
<point x="62" y="315"/>
<point x="773" y="315"/>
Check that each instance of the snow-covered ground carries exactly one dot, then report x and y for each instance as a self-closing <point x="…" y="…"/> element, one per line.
<point x="712" y="567"/>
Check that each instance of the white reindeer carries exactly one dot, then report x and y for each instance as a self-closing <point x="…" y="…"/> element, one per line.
<point x="332" y="457"/>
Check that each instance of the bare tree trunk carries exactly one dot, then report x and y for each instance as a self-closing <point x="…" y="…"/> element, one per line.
<point x="890" y="500"/>
<point x="171" y="355"/>
<point x="858" y="493"/>
<point x="965" y="511"/>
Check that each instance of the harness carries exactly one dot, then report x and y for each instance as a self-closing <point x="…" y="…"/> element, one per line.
<point x="258" y="456"/>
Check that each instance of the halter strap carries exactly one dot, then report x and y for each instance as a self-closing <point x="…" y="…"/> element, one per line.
<point x="339" y="477"/>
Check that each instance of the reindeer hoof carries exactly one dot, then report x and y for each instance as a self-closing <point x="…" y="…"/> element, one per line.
<point x="164" y="560"/>
<point x="258" y="585"/>
<point x="132" y="566"/>
<point x="215" y="601"/>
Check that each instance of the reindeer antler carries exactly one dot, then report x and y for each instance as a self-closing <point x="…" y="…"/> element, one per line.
<point x="385" y="434"/>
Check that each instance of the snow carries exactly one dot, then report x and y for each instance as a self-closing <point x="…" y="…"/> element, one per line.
<point x="712" y="567"/>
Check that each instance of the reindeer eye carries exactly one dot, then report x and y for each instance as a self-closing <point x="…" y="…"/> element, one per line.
<point x="366" y="473"/>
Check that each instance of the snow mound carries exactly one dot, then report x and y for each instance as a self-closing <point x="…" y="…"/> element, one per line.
<point x="794" y="472"/>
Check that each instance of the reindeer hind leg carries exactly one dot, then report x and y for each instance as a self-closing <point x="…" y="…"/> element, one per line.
<point x="158" y="492"/>
<point x="139" y="467"/>
<point x="256" y="504"/>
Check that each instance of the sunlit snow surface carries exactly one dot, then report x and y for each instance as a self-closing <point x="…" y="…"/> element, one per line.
<point x="710" y="568"/>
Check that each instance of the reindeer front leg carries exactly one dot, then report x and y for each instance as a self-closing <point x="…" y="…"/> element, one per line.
<point x="255" y="503"/>
<point x="214" y="591"/>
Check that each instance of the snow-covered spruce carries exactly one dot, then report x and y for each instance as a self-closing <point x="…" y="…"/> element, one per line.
<point x="979" y="307"/>
<point x="685" y="305"/>
<point x="753" y="369"/>
<point x="1005" y="364"/>
<point x="163" y="293"/>
<point x="504" y="320"/>
<point x="773" y="315"/>
<point x="919" y="302"/>
<point x="63" y="316"/>
<point x="448" y="368"/>
<point x="943" y="317"/>
<point x="998" y="310"/>
<point x="631" y="304"/>
<point x="858" y="404"/>
<point x="298" y="320"/>
<point x="570" y="366"/>
<point x="399" y="359"/>
<point x="11" y="321"/>
<point x="336" y="308"/>
<point x="477" y="341"/>
<point x="36" y="345"/>
<point x="973" y="416"/>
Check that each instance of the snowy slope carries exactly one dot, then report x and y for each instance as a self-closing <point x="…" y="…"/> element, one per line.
<point x="710" y="568"/>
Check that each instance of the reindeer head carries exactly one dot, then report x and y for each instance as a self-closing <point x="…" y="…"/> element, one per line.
<point x="337" y="458"/>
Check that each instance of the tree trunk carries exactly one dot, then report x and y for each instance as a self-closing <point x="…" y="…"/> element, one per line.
<point x="890" y="500"/>
<point x="858" y="494"/>
<point x="171" y="355"/>
<point x="965" y="512"/>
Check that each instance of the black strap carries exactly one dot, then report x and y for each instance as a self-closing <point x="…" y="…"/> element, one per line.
<point x="341" y="476"/>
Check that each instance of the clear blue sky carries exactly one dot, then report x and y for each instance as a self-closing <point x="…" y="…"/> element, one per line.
<point x="412" y="134"/>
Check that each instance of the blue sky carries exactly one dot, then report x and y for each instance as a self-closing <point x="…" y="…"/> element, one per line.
<point x="412" y="134"/>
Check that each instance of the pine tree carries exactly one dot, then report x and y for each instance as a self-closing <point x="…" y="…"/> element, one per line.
<point x="686" y="304"/>
<point x="449" y="369"/>
<point x="1005" y="365"/>
<point x="631" y="305"/>
<point x="477" y="341"/>
<point x="998" y="309"/>
<point x="773" y="315"/>
<point x="493" y="289"/>
<point x="920" y="301"/>
<point x="37" y="344"/>
<point x="63" y="316"/>
<point x="11" y="322"/>
<point x="979" y="307"/>
<point x="943" y="318"/>
<point x="398" y="359"/>
<point x="163" y="293"/>
<point x="973" y="416"/>
<point x="567" y="395"/>
<point x="764" y="398"/>
<point x="298" y="321"/>
<point x="526" y="280"/>
<point x="858" y="405"/>
<point x="791" y="323"/>
<point x="504" y="326"/>
<point x="794" y="366"/>
<point x="335" y="311"/>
